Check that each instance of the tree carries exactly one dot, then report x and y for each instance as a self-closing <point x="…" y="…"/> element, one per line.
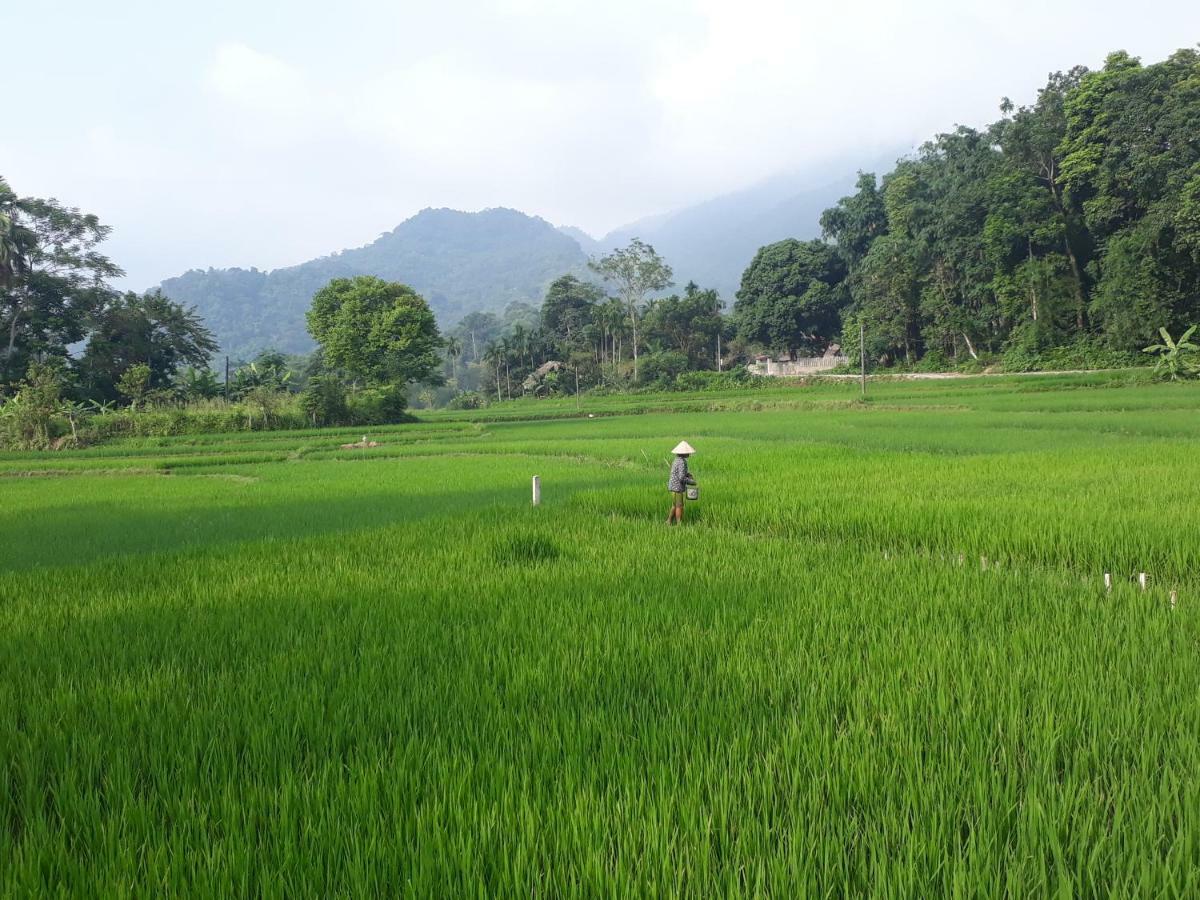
<point x="1128" y="156"/>
<point x="382" y="332"/>
<point x="636" y="271"/>
<point x="269" y="370"/>
<point x="688" y="325"/>
<point x="52" y="279"/>
<point x="791" y="296"/>
<point x="149" y="329"/>
<point x="856" y="220"/>
<point x="568" y="308"/>
<point x="453" y="349"/>
<point x="134" y="384"/>
<point x="1175" y="359"/>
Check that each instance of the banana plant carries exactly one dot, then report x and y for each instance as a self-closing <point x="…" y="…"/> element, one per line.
<point x="1176" y="359"/>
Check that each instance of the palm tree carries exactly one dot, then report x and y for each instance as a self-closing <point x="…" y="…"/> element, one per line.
<point x="491" y="355"/>
<point x="520" y="341"/>
<point x="12" y="258"/>
<point x="504" y="348"/>
<point x="454" y="349"/>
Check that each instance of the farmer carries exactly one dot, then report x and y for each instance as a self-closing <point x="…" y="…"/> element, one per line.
<point x="679" y="480"/>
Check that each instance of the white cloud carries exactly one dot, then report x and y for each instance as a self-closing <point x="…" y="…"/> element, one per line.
<point x="257" y="81"/>
<point x="261" y="139"/>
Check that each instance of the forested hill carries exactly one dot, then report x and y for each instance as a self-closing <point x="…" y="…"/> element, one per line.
<point x="712" y="242"/>
<point x="458" y="261"/>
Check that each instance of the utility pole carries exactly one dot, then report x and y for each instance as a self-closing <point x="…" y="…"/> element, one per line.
<point x="862" y="354"/>
<point x="718" y="351"/>
<point x="227" y="379"/>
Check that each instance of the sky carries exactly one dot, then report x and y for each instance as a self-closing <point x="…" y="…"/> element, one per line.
<point x="264" y="133"/>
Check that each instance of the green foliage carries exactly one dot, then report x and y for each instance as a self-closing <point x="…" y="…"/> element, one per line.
<point x="1073" y="219"/>
<point x="268" y="370"/>
<point x="688" y="325"/>
<point x="1176" y="359"/>
<point x="31" y="418"/>
<point x="662" y="368"/>
<point x="197" y="384"/>
<point x="383" y="405"/>
<point x="244" y="673"/>
<point x="148" y="329"/>
<point x="52" y="279"/>
<point x="372" y="329"/>
<point x="460" y="262"/>
<point x="568" y="309"/>
<point x="469" y="400"/>
<point x="525" y="549"/>
<point x="791" y="296"/>
<point x="635" y="271"/>
<point x="324" y="401"/>
<point x="134" y="384"/>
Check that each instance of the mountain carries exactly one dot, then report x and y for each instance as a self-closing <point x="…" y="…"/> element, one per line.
<point x="462" y="262"/>
<point x="713" y="242"/>
<point x="458" y="261"/>
<point x="586" y="242"/>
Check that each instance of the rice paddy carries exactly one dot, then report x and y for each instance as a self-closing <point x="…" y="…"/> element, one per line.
<point x="878" y="658"/>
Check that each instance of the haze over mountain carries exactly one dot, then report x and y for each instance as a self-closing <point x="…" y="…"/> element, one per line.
<point x="458" y="261"/>
<point x="466" y="261"/>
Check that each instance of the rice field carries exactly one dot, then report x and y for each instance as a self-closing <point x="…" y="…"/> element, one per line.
<point x="878" y="658"/>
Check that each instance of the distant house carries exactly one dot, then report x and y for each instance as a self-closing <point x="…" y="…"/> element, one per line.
<point x="537" y="378"/>
<point x="787" y="364"/>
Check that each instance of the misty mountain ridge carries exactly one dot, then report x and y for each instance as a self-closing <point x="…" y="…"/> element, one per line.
<point x="467" y="261"/>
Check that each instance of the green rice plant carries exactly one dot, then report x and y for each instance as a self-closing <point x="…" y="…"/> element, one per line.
<point x="878" y="658"/>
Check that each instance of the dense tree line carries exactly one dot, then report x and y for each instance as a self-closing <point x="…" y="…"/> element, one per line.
<point x="582" y="338"/>
<point x="1073" y="220"/>
<point x="58" y="311"/>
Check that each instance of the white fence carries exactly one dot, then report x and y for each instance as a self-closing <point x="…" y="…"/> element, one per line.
<point x="797" y="366"/>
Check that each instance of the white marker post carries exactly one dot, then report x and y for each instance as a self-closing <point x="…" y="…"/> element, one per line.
<point x="1108" y="582"/>
<point x="1142" y="579"/>
<point x="537" y="491"/>
<point x="1173" y="598"/>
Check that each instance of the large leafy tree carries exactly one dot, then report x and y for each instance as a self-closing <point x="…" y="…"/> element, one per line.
<point x="687" y="324"/>
<point x="856" y="220"/>
<point x="792" y="295"/>
<point x="150" y="330"/>
<point x="53" y="279"/>
<point x="380" y="331"/>
<point x="1073" y="218"/>
<point x="636" y="272"/>
<point x="1130" y="161"/>
<point x="568" y="309"/>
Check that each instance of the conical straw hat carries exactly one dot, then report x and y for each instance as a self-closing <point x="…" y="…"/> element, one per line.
<point x="683" y="447"/>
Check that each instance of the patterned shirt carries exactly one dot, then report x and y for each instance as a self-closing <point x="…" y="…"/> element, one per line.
<point x="680" y="476"/>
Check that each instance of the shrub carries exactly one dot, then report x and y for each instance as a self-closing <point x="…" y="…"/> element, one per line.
<point x="661" y="369"/>
<point x="715" y="381"/>
<point x="324" y="401"/>
<point x="385" y="405"/>
<point x="1176" y="360"/>
<point x="31" y="419"/>
<point x="1084" y="354"/>
<point x="469" y="400"/>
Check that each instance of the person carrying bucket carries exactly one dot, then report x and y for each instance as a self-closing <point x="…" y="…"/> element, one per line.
<point x="679" y="481"/>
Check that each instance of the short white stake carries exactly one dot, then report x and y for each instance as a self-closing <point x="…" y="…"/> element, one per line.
<point x="1142" y="579"/>
<point x="1173" y="599"/>
<point x="537" y="491"/>
<point x="1108" y="582"/>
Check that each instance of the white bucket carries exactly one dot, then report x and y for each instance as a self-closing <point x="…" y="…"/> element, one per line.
<point x="693" y="492"/>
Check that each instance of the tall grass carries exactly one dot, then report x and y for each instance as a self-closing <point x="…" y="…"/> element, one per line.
<point x="353" y="672"/>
